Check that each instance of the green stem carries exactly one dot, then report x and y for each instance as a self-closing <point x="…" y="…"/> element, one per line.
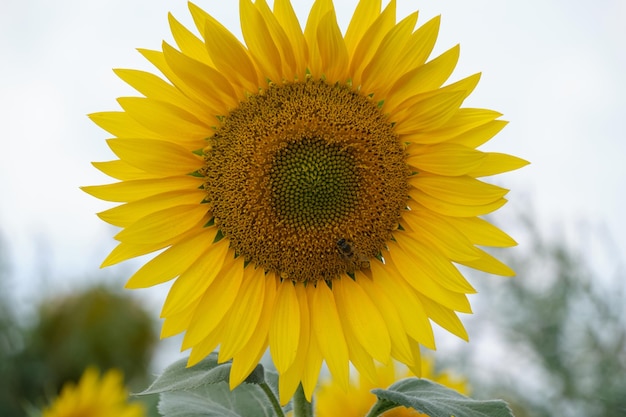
<point x="275" y="404"/>
<point x="301" y="407"/>
<point x="380" y="407"/>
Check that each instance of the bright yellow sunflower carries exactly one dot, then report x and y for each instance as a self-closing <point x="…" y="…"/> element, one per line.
<point x="358" y="399"/>
<point x="95" y="397"/>
<point x="313" y="191"/>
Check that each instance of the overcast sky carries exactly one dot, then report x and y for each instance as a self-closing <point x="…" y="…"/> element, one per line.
<point x="554" y="68"/>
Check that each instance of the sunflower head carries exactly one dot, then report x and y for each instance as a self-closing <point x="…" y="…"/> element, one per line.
<point x="313" y="190"/>
<point x="315" y="166"/>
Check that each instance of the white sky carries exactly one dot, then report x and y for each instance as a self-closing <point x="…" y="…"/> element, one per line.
<point x="554" y="68"/>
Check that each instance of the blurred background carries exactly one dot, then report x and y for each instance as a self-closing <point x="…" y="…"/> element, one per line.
<point x="551" y="341"/>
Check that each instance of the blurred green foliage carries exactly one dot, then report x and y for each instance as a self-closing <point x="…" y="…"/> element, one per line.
<point x="559" y="328"/>
<point x="96" y="326"/>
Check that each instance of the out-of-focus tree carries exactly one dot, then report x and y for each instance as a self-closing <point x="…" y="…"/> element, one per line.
<point x="95" y="327"/>
<point x="558" y="330"/>
<point x="10" y="337"/>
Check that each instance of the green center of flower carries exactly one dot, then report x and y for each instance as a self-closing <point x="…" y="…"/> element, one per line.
<point x="307" y="180"/>
<point x="313" y="184"/>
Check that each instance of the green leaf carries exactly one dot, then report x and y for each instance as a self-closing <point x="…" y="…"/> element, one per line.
<point x="247" y="400"/>
<point x="435" y="400"/>
<point x="202" y="390"/>
<point x="178" y="376"/>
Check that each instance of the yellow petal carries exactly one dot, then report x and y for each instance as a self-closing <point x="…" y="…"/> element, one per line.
<point x="188" y="43"/>
<point x="202" y="82"/>
<point x="364" y="15"/>
<point x="385" y="66"/>
<point x="410" y="269"/>
<point x="463" y="190"/>
<point x="422" y="78"/>
<point x="463" y="121"/>
<point x="291" y="378"/>
<point x="244" y="315"/>
<point x="479" y="135"/>
<point x="481" y="232"/>
<point x="399" y="343"/>
<point x="206" y="346"/>
<point x="329" y="334"/>
<point x="314" y="358"/>
<point x="453" y="209"/>
<point x="285" y="327"/>
<point x="156" y="156"/>
<point x="230" y="57"/>
<point x="120" y="124"/>
<point x="285" y="15"/>
<point x="416" y="367"/>
<point x="420" y="45"/>
<point x="248" y="357"/>
<point x="166" y="120"/>
<point x="215" y="303"/>
<point x="125" y="251"/>
<point x="433" y="264"/>
<point x="127" y="214"/>
<point x="490" y="264"/>
<point x="177" y="323"/>
<point x="280" y="39"/>
<point x="434" y="230"/>
<point x="134" y="190"/>
<point x="369" y="42"/>
<point x="259" y="41"/>
<point x="445" y="159"/>
<point x="173" y="261"/>
<point x="194" y="281"/>
<point x="497" y="163"/>
<point x="319" y="9"/>
<point x="409" y="307"/>
<point x="363" y="318"/>
<point x="164" y="224"/>
<point x="359" y="357"/>
<point x="430" y="113"/>
<point x="156" y="88"/>
<point x="332" y="49"/>
<point x="122" y="171"/>
<point x="207" y="113"/>
<point x="444" y="317"/>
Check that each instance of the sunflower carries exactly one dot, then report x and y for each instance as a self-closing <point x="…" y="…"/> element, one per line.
<point x="358" y="399"/>
<point x="312" y="191"/>
<point x="95" y="397"/>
